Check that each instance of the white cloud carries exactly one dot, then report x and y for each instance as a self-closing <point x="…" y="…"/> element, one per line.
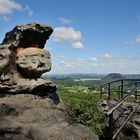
<point x="68" y="65"/>
<point x="92" y="58"/>
<point x="30" y="13"/>
<point x="70" y="35"/>
<point x="106" y="56"/>
<point x="66" y="34"/>
<point x="77" y="45"/>
<point x="65" y="64"/>
<point x="136" y="40"/>
<point x="78" y="59"/>
<point x="119" y="64"/>
<point x="114" y="59"/>
<point x="4" y="18"/>
<point x="61" y="56"/>
<point x="126" y="58"/>
<point x="64" y="20"/>
<point x="28" y="10"/>
<point x="7" y="7"/>
<point x="109" y="58"/>
<point x="62" y="62"/>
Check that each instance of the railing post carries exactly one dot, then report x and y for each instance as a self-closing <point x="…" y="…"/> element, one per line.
<point x="119" y="94"/>
<point x="121" y="89"/>
<point x="101" y="92"/>
<point x="136" y="92"/>
<point x="111" y="126"/>
<point x="109" y="92"/>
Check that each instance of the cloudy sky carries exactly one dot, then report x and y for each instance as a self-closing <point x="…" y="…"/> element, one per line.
<point x="90" y="36"/>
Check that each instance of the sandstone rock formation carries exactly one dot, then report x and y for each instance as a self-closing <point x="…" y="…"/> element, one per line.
<point x="23" y="60"/>
<point x="28" y="117"/>
<point x="30" y="108"/>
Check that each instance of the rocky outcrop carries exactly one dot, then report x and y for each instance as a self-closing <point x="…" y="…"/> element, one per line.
<point x="131" y="130"/>
<point x="23" y="60"/>
<point x="29" y="117"/>
<point x="30" y="108"/>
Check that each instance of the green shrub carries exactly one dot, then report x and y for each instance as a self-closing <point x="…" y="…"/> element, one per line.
<point x="83" y="107"/>
<point x="86" y="111"/>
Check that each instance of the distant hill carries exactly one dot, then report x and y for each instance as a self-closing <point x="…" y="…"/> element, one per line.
<point x="132" y="76"/>
<point x="74" y="76"/>
<point x="88" y="79"/>
<point x="112" y="77"/>
<point x="80" y="79"/>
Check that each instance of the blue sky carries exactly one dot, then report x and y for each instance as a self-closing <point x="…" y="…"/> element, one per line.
<point x="90" y="36"/>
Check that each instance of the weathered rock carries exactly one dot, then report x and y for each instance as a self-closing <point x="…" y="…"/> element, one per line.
<point x="131" y="130"/>
<point x="28" y="117"/>
<point x="23" y="60"/>
<point x="33" y="62"/>
<point x="23" y="36"/>
<point x="4" y="59"/>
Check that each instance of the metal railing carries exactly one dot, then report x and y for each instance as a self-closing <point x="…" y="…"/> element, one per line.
<point x="120" y="89"/>
<point x="122" y="97"/>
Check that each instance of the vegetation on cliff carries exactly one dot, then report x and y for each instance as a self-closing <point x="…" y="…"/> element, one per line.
<point x="83" y="106"/>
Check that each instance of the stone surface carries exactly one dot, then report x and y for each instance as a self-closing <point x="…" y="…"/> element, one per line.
<point x="4" y="58"/>
<point x="23" y="36"/>
<point x="23" y="60"/>
<point x="28" y="117"/>
<point x="131" y="130"/>
<point x="33" y="62"/>
<point x="30" y="108"/>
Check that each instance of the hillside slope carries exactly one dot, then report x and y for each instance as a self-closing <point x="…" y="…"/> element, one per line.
<point x="112" y="77"/>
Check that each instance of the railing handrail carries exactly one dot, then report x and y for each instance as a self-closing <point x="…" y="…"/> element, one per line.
<point x="120" y="102"/>
<point x="110" y="112"/>
<point x="130" y="84"/>
<point x="123" y="79"/>
<point x="131" y="114"/>
<point x="121" y="85"/>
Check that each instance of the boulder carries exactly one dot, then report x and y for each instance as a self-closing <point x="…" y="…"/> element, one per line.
<point x="29" y="117"/>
